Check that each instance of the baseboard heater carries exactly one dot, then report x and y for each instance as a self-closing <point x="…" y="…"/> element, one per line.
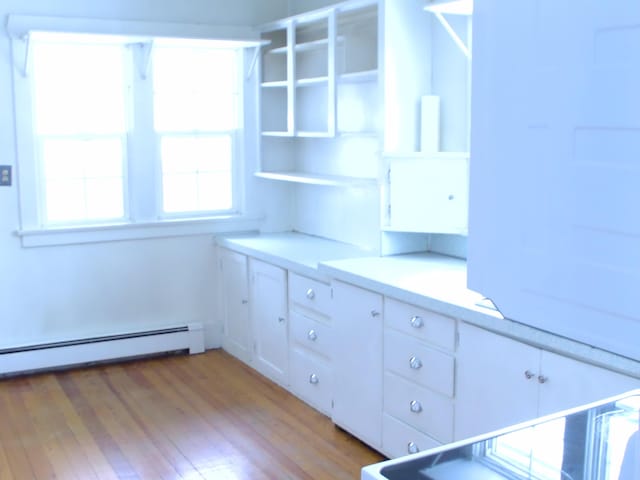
<point x="53" y="355"/>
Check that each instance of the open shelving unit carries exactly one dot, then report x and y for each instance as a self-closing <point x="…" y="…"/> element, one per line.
<point x="319" y="80"/>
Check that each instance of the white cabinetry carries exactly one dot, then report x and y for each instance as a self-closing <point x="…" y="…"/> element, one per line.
<point x="318" y="91"/>
<point x="268" y="307"/>
<point x="501" y="382"/>
<point x="357" y="362"/>
<point x="419" y="375"/>
<point x="426" y="130"/>
<point x="310" y="341"/>
<point x="234" y="295"/>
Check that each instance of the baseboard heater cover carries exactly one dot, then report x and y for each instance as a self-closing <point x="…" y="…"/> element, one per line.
<point x="102" y="348"/>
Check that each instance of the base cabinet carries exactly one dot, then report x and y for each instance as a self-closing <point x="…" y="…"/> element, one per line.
<point x="234" y="296"/>
<point x="501" y="382"/>
<point x="357" y="362"/>
<point x="268" y="310"/>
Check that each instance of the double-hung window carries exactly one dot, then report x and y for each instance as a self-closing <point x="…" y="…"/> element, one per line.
<point x="117" y="131"/>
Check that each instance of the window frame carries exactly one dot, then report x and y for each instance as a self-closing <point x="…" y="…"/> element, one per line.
<point x="140" y="221"/>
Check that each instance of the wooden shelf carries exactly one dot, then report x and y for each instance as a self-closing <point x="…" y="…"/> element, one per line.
<point x="275" y="84"/>
<point x="359" y="77"/>
<point x="276" y="133"/>
<point x="305" y="82"/>
<point x="318" y="179"/>
<point x="301" y="47"/>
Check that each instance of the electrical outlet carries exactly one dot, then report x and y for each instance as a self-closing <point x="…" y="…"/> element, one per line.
<point x="5" y="175"/>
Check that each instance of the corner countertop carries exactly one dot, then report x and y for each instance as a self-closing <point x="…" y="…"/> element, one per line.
<point x="431" y="281"/>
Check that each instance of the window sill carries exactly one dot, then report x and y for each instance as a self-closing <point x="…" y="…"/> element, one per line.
<point x="135" y="231"/>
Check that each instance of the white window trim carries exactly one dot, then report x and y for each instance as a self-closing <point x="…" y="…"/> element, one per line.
<point x="31" y="233"/>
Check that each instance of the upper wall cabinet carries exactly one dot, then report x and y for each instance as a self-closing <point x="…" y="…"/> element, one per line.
<point x="427" y="55"/>
<point x="319" y="81"/>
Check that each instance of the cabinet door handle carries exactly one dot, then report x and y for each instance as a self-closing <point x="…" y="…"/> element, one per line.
<point x="412" y="447"/>
<point x="281" y="319"/>
<point x="415" y="406"/>
<point x="416" y="321"/>
<point x="542" y="379"/>
<point x="313" y="379"/>
<point x="311" y="294"/>
<point x="312" y="335"/>
<point x="415" y="363"/>
<point x="375" y="313"/>
<point x="528" y="374"/>
<point x="244" y="302"/>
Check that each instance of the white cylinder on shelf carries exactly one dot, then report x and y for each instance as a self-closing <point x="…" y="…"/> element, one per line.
<point x="430" y="124"/>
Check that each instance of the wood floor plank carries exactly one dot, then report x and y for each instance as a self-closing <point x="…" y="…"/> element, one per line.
<point x="205" y="416"/>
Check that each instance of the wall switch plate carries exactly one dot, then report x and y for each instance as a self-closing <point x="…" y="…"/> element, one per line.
<point x="5" y="175"/>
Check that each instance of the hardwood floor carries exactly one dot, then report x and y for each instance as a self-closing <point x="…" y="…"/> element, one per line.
<point x="205" y="416"/>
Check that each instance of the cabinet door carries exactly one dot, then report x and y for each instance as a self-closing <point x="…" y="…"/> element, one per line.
<point x="492" y="385"/>
<point x="234" y="287"/>
<point x="569" y="383"/>
<point x="357" y="362"/>
<point x="269" y="319"/>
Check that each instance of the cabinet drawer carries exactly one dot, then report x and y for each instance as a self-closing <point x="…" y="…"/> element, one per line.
<point x="400" y="439"/>
<point x="419" y="363"/>
<point x="428" y="326"/>
<point x="309" y="333"/>
<point x="309" y="293"/>
<point x="311" y="380"/>
<point x="427" y="411"/>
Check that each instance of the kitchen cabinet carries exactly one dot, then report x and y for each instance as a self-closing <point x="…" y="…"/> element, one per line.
<point x="419" y="377"/>
<point x="310" y="341"/>
<point x="501" y="382"/>
<point x="427" y="63"/>
<point x="234" y="296"/>
<point x="318" y="91"/>
<point x="268" y="313"/>
<point x="357" y="361"/>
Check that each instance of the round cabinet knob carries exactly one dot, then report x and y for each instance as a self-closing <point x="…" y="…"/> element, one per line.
<point x="416" y="321"/>
<point x="415" y="406"/>
<point x="412" y="447"/>
<point x="313" y="379"/>
<point x="312" y="335"/>
<point x="528" y="374"/>
<point x="542" y="379"/>
<point x="311" y="294"/>
<point x="375" y="313"/>
<point x="415" y="363"/>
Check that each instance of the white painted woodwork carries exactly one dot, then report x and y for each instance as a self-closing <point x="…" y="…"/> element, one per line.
<point x="429" y="193"/>
<point x="309" y="294"/>
<point x="556" y="142"/>
<point x="269" y="319"/>
<point x="399" y="439"/>
<point x="234" y="288"/>
<point x="311" y="379"/>
<point x="500" y="382"/>
<point x="492" y="390"/>
<point x="429" y="327"/>
<point x="357" y="361"/>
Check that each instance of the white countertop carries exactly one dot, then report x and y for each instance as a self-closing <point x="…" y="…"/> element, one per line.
<point x="427" y="280"/>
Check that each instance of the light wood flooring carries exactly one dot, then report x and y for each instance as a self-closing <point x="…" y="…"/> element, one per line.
<point x="204" y="416"/>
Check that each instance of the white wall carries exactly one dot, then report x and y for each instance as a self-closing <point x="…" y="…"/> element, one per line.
<point x="52" y="293"/>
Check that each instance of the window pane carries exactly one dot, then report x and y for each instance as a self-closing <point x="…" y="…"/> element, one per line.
<point x="78" y="88"/>
<point x="197" y="173"/>
<point x="195" y="89"/>
<point x="83" y="179"/>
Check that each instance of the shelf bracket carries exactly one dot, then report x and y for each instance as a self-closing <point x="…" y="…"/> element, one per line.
<point x="452" y="33"/>
<point x="23" y="58"/>
<point x="146" y="49"/>
<point x="254" y="61"/>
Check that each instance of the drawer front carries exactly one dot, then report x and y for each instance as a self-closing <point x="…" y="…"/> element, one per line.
<point x="427" y="411"/>
<point x="309" y="293"/>
<point x="399" y="439"/>
<point x="310" y="333"/>
<point x="430" y="327"/>
<point x="311" y="380"/>
<point x="419" y="363"/>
